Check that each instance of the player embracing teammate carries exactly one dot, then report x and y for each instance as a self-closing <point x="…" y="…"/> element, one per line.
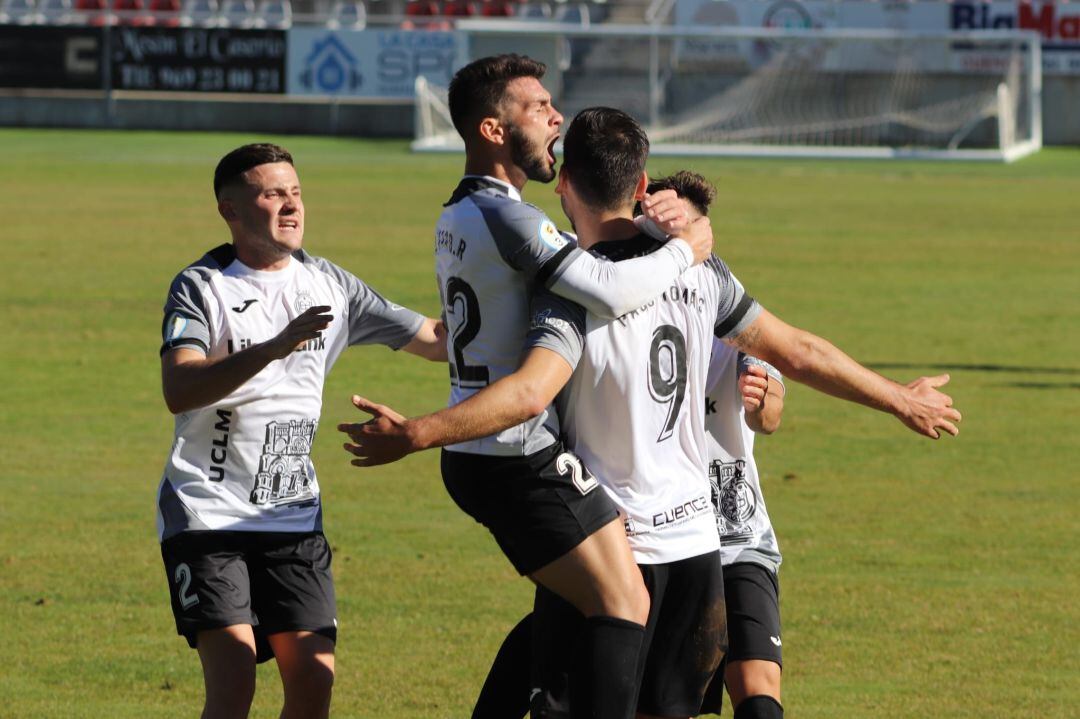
<point x="631" y="411"/>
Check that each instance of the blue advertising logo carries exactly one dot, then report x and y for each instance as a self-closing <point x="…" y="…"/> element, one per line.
<point x="331" y="68"/>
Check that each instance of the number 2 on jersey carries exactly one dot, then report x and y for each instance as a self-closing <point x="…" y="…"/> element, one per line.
<point x="461" y="302"/>
<point x="667" y="374"/>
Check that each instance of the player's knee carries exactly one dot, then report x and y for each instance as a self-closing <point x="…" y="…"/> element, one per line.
<point x="630" y="601"/>
<point x="310" y="681"/>
<point x="229" y="697"/>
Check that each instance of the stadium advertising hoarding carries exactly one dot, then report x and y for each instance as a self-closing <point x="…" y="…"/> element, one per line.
<point x="371" y="63"/>
<point x="1057" y="22"/>
<point x="51" y="57"/>
<point x="198" y="60"/>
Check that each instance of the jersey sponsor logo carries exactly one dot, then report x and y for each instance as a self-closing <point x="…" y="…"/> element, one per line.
<point x="283" y="476"/>
<point x="304" y="301"/>
<point x="219" y="445"/>
<point x="175" y="326"/>
<point x="681" y="513"/>
<point x="733" y="501"/>
<point x="550" y="236"/>
<point x="710" y="406"/>
<point x="240" y="344"/>
<point x="243" y="308"/>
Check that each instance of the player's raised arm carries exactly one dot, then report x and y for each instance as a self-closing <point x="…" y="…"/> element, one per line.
<point x="611" y="289"/>
<point x="816" y="362"/>
<point x="189" y="379"/>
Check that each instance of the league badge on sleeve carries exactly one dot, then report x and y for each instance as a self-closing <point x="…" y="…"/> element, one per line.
<point x="550" y="236"/>
<point x="175" y="326"/>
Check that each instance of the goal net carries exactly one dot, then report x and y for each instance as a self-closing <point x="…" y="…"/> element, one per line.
<point x="811" y="93"/>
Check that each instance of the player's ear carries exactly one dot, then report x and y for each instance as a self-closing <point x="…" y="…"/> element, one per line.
<point x="642" y="186"/>
<point x="561" y="184"/>
<point x="226" y="210"/>
<point x="492" y="130"/>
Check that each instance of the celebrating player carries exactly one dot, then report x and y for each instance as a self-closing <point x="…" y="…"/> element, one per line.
<point x="519" y="481"/>
<point x="250" y="332"/>
<point x="603" y="429"/>
<point x="743" y="396"/>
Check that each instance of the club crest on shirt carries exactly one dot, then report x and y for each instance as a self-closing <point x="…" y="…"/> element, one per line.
<point x="304" y="301"/>
<point x="550" y="236"/>
<point x="734" y="501"/>
<point x="175" y="326"/>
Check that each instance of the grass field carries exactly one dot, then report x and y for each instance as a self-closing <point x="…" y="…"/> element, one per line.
<point x="920" y="579"/>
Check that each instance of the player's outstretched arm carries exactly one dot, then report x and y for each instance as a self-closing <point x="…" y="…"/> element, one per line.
<point x="189" y="379"/>
<point x="814" y="361"/>
<point x="429" y="341"/>
<point x="611" y="289"/>
<point x="763" y="400"/>
<point x="518" y="397"/>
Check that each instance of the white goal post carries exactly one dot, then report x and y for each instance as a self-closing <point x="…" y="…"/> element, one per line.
<point x="777" y="92"/>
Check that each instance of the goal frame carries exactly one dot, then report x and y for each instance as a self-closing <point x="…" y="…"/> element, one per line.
<point x="1007" y="151"/>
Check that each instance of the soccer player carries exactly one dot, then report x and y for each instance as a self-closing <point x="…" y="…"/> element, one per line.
<point x="250" y="332"/>
<point x="491" y="251"/>
<point x="675" y="518"/>
<point x="743" y="396"/>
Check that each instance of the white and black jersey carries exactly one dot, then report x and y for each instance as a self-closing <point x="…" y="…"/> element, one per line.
<point x="242" y="463"/>
<point x="492" y="250"/>
<point x="634" y="408"/>
<point x="746" y="532"/>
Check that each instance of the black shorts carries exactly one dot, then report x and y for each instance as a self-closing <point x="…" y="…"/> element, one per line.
<point x="686" y="634"/>
<point x="274" y="581"/>
<point x="684" y="641"/>
<point x="537" y="507"/>
<point x="753" y="608"/>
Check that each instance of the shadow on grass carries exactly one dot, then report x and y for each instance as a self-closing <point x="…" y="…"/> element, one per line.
<point x="1041" y="385"/>
<point x="977" y="368"/>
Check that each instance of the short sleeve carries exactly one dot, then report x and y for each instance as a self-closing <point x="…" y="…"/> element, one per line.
<point x="526" y="238"/>
<point x="736" y="310"/>
<point x="187" y="321"/>
<point x="372" y="318"/>
<point x="558" y="324"/>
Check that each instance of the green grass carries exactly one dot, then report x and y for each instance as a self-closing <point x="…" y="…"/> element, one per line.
<point x="920" y="578"/>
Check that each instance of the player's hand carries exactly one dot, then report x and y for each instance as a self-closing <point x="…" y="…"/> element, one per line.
<point x="753" y="386"/>
<point x="380" y="440"/>
<point x="667" y="211"/>
<point x="700" y="238"/>
<point x="928" y="410"/>
<point x="305" y="327"/>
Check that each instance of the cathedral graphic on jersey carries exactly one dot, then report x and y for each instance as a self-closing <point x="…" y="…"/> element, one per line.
<point x="284" y="475"/>
<point x="733" y="501"/>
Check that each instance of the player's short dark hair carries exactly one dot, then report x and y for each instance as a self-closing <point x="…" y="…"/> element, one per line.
<point x="477" y="89"/>
<point x="604" y="154"/>
<point x="236" y="163"/>
<point x="690" y="186"/>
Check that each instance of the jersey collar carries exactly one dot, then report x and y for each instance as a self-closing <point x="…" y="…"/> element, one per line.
<point x="475" y="183"/>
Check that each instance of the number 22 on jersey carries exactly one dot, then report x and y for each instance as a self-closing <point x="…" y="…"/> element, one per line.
<point x="461" y="302"/>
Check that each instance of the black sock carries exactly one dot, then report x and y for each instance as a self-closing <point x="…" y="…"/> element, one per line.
<point x="759" y="706"/>
<point x="608" y="688"/>
<point x="506" y="690"/>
